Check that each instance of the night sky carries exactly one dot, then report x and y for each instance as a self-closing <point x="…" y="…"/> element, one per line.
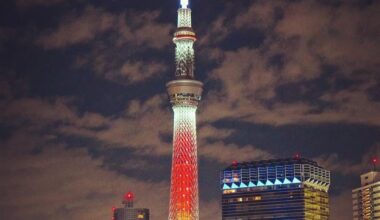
<point x="84" y="115"/>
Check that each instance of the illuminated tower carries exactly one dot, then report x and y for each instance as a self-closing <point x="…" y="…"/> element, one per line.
<point x="185" y="94"/>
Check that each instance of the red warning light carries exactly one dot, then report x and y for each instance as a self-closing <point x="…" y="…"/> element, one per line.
<point x="129" y="196"/>
<point x="234" y="162"/>
<point x="297" y="156"/>
<point x="113" y="209"/>
<point x="375" y="160"/>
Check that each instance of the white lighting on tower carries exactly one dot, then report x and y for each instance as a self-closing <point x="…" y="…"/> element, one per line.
<point x="184" y="3"/>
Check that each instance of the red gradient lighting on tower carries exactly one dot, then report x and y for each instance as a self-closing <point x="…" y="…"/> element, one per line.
<point x="184" y="93"/>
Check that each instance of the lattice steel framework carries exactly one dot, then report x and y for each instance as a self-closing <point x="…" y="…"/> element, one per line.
<point x="184" y="58"/>
<point x="184" y="182"/>
<point x="184" y="39"/>
<point x="185" y="94"/>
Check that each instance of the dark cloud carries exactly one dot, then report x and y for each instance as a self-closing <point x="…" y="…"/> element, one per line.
<point x="144" y="30"/>
<point x="116" y="42"/>
<point x="29" y="3"/>
<point x="307" y="36"/>
<point x="78" y="28"/>
<point x="64" y="184"/>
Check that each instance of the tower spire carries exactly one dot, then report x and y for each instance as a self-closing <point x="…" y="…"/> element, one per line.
<point x="184" y="39"/>
<point x="184" y="3"/>
<point x="185" y="94"/>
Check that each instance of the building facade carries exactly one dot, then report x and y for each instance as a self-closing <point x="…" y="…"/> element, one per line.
<point x="293" y="188"/>
<point x="184" y="93"/>
<point x="128" y="212"/>
<point x="366" y="199"/>
<point x="131" y="214"/>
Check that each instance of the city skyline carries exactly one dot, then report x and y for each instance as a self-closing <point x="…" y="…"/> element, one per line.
<point x="85" y="113"/>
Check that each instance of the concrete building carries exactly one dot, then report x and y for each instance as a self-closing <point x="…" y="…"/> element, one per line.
<point x="366" y="199"/>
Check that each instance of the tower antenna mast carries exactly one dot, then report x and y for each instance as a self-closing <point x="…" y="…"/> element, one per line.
<point x="374" y="162"/>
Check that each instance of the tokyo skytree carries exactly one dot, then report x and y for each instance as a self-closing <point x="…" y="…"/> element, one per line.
<point x="184" y="93"/>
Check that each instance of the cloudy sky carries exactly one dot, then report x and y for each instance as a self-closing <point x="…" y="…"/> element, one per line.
<point x="84" y="114"/>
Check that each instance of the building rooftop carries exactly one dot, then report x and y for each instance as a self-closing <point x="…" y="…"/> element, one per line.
<point x="272" y="162"/>
<point x="369" y="178"/>
<point x="274" y="173"/>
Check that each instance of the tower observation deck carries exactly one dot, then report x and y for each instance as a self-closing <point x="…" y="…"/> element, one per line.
<point x="184" y="93"/>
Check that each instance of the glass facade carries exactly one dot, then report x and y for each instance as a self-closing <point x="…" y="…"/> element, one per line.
<point x="275" y="189"/>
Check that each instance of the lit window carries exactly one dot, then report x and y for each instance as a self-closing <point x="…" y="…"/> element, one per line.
<point x="229" y="191"/>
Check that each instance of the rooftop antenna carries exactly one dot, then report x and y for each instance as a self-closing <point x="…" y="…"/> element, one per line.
<point x="128" y="199"/>
<point x="297" y="156"/>
<point x="374" y="162"/>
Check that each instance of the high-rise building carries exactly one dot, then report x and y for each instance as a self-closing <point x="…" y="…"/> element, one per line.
<point x="294" y="188"/>
<point x="366" y="199"/>
<point x="128" y="212"/>
<point x="184" y="93"/>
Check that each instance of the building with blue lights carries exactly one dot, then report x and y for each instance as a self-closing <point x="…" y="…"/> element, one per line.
<point x="294" y="188"/>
